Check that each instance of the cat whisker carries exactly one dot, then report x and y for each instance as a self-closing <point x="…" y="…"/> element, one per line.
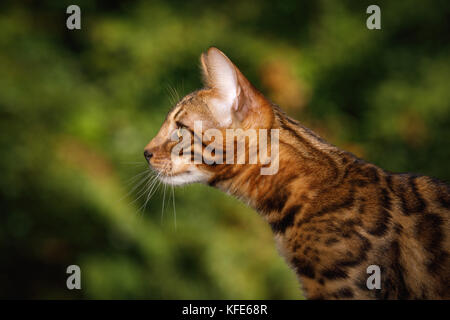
<point x="163" y="202"/>
<point x="147" y="187"/>
<point x="137" y="185"/>
<point x="174" y="96"/>
<point x="136" y="177"/>
<point x="140" y="163"/>
<point x="174" y="209"/>
<point x="151" y="190"/>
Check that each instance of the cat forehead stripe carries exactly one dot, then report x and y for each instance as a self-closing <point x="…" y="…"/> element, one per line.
<point x="176" y="112"/>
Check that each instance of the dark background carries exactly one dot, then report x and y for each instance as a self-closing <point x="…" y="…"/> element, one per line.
<point x="78" y="107"/>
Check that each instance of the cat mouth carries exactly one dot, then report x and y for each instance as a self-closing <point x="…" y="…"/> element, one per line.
<point x="161" y="169"/>
<point x="173" y="179"/>
<point x="182" y="178"/>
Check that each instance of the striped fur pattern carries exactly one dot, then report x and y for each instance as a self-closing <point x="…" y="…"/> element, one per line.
<point x="332" y="214"/>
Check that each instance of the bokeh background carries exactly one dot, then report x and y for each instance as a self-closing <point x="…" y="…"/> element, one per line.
<point x="78" y="107"/>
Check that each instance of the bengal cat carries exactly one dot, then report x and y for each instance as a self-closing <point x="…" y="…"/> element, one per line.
<point x="333" y="215"/>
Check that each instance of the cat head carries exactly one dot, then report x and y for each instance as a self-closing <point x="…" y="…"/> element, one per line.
<point x="228" y="101"/>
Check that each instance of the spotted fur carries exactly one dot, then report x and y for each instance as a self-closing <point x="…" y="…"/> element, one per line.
<point x="332" y="214"/>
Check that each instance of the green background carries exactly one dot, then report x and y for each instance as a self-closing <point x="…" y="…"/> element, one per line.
<point x="78" y="107"/>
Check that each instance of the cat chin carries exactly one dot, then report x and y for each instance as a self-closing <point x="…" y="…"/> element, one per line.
<point x="183" y="178"/>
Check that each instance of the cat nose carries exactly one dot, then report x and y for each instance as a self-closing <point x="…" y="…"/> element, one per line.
<point x="148" y="155"/>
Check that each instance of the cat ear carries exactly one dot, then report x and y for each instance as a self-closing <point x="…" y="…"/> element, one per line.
<point x="221" y="75"/>
<point x="204" y="68"/>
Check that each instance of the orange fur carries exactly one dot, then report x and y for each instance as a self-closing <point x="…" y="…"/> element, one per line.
<point x="332" y="214"/>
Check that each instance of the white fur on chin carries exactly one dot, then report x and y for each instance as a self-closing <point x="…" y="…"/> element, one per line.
<point x="184" y="178"/>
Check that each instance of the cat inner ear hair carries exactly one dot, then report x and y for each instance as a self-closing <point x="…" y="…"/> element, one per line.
<point x="220" y="75"/>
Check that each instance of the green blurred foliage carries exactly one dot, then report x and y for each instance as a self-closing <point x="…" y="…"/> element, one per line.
<point x="78" y="107"/>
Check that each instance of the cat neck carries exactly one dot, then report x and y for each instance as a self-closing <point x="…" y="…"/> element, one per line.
<point x="306" y="164"/>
